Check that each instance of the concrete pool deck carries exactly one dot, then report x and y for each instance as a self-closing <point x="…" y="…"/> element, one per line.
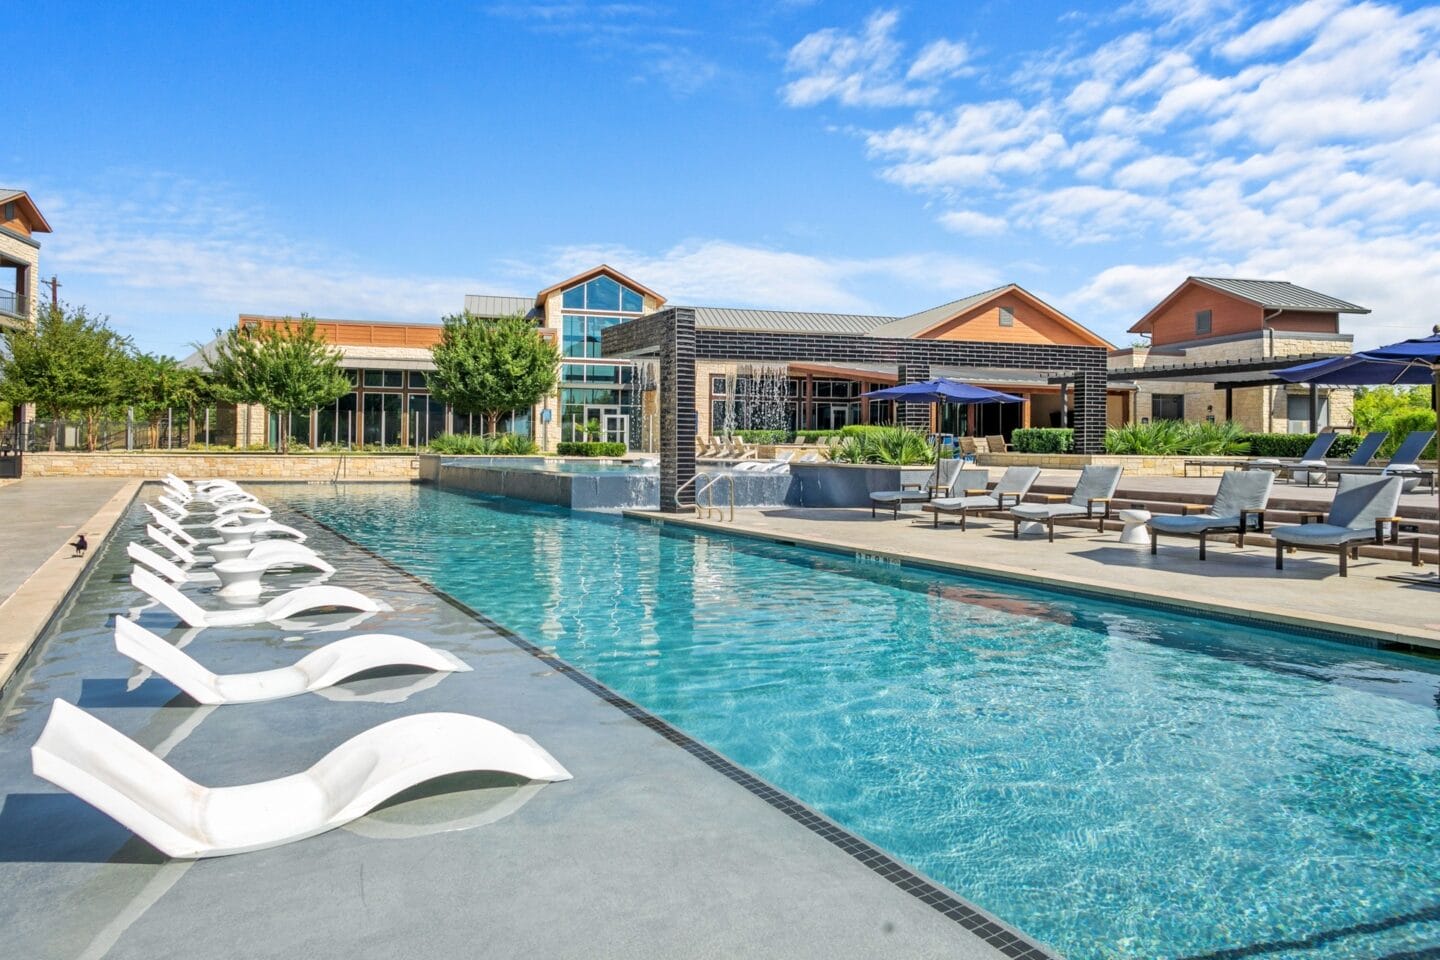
<point x="43" y="516"/>
<point x="1308" y="593"/>
<point x="648" y="852"/>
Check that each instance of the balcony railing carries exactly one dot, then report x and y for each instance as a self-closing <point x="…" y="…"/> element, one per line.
<point x="14" y="304"/>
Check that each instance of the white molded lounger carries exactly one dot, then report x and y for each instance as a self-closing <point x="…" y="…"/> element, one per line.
<point x="243" y="532"/>
<point x="181" y="818"/>
<point x="282" y="607"/>
<point x="178" y="511"/>
<point x="144" y="555"/>
<point x="242" y="508"/>
<point x="240" y="577"/>
<point x="170" y="526"/>
<point x="323" y="668"/>
<point x="163" y="539"/>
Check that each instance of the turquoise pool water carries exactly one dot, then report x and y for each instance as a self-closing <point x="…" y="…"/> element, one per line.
<point x="1116" y="781"/>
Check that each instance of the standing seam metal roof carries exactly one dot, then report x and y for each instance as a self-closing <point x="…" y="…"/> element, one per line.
<point x="487" y="306"/>
<point x="784" y="321"/>
<point x="925" y="319"/>
<point x="1280" y="295"/>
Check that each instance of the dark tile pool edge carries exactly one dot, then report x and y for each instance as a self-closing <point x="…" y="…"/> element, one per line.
<point x="992" y="930"/>
<point x="1334" y="634"/>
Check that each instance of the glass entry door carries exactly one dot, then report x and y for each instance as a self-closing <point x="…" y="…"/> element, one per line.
<point x="614" y="423"/>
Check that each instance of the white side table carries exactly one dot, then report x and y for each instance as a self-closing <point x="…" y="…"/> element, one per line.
<point x="1135" y="521"/>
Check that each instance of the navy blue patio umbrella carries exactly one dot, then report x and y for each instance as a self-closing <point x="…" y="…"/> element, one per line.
<point x="1410" y="362"/>
<point x="942" y="390"/>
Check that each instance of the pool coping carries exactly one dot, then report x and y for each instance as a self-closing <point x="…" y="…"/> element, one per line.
<point x="1338" y="629"/>
<point x="29" y="612"/>
<point x="997" y="933"/>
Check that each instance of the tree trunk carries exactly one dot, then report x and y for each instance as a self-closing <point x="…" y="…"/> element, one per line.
<point x="492" y="423"/>
<point x="90" y="443"/>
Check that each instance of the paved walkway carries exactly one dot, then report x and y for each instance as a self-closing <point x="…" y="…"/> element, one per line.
<point x="43" y="514"/>
<point x="1307" y="592"/>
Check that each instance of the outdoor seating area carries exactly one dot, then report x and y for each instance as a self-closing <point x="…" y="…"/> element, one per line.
<point x="97" y="763"/>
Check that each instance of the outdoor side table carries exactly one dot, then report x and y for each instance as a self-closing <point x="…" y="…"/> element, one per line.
<point x="1134" y="530"/>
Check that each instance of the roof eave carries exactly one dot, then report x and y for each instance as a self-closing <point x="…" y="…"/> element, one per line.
<point x="591" y="274"/>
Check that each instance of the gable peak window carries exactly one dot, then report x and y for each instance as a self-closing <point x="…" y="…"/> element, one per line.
<point x="603" y="293"/>
<point x="1007" y="317"/>
<point x="1202" y="321"/>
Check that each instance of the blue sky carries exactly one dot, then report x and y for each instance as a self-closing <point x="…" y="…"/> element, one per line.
<point x="380" y="161"/>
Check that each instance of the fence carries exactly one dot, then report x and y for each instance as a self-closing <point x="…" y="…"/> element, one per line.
<point x="40" y="436"/>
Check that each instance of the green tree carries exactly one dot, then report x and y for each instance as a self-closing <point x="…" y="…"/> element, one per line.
<point x="68" y="364"/>
<point x="491" y="367"/>
<point x="1395" y="409"/>
<point x="284" y="367"/>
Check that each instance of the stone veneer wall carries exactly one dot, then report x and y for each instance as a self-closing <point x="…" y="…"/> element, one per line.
<point x="233" y="466"/>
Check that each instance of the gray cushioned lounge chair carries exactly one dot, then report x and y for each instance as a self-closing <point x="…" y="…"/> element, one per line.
<point x="1313" y="471"/>
<point x="1318" y="448"/>
<point x="1239" y="505"/>
<point x="1014" y="483"/>
<point x="893" y="500"/>
<point x="1405" y="463"/>
<point x="1358" y="514"/>
<point x="1095" y="488"/>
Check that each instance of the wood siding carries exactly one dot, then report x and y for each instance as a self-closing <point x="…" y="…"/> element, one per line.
<point x="1228" y="315"/>
<point x="1032" y="325"/>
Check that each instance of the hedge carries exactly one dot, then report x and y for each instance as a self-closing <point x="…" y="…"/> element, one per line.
<point x="590" y="448"/>
<point x="764" y="436"/>
<point x="1295" y="444"/>
<point x="1043" y="440"/>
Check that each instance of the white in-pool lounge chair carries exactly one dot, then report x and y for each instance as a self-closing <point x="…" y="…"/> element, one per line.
<point x="240" y="576"/>
<point x="325" y="667"/>
<point x="250" y="531"/>
<point x="168" y="523"/>
<point x="1008" y="491"/>
<point x="176" y="510"/>
<point x="184" y="819"/>
<point x="1096" y="487"/>
<point x="940" y="478"/>
<point x="242" y="508"/>
<point x="1362" y="508"/>
<point x="1239" y="506"/>
<point x="283" y="607"/>
<point x="161" y="538"/>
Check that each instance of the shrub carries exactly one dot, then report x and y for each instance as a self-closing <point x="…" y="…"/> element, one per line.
<point x="764" y="436"/>
<point x="1178" y="438"/>
<point x="575" y="448"/>
<point x="890" y="445"/>
<point x="1402" y="424"/>
<point x="864" y="429"/>
<point x="815" y="436"/>
<point x="464" y="444"/>
<point x="1043" y="440"/>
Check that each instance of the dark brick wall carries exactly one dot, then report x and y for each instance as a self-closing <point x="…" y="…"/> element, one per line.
<point x="915" y="359"/>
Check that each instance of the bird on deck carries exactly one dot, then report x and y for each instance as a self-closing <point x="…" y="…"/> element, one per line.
<point x="80" y="546"/>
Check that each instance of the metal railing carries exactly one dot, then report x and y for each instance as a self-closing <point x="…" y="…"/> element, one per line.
<point x="710" y="511"/>
<point x="689" y="483"/>
<point x="15" y="304"/>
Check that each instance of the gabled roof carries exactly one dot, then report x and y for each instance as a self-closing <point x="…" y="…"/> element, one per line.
<point x="918" y="324"/>
<point x="591" y="274"/>
<point x="488" y="306"/>
<point x="1266" y="294"/>
<point x="784" y="321"/>
<point x="38" y="223"/>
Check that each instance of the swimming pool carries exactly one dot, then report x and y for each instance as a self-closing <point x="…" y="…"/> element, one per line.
<point x="1114" y="780"/>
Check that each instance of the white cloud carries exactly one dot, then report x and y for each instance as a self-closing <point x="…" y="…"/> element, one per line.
<point x="940" y="58"/>
<point x="974" y="223"/>
<point x="1302" y="142"/>
<point x="724" y="273"/>
<point x="864" y="69"/>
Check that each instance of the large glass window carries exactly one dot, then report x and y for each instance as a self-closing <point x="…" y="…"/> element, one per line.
<point x="383" y="419"/>
<point x="427" y="419"/>
<point x="1167" y="406"/>
<point x="582" y="334"/>
<point x="602" y="293"/>
<point x="384" y="378"/>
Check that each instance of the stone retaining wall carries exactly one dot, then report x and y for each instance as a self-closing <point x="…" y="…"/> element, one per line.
<point x="236" y="466"/>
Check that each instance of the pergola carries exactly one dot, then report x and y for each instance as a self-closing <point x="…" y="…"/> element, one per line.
<point x="1228" y="375"/>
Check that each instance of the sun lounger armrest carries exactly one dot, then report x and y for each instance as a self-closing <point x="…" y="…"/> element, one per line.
<point x="1014" y="495"/>
<point x="1090" y="505"/>
<point x="1188" y="508"/>
<point x="1054" y="497"/>
<point x="1311" y="516"/>
<point x="942" y="489"/>
<point x="1380" y="529"/>
<point x="977" y="491"/>
<point x="1259" y="516"/>
<point x="911" y="486"/>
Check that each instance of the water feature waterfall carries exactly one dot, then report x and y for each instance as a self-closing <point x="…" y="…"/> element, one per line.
<point x="759" y="397"/>
<point x="645" y="383"/>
